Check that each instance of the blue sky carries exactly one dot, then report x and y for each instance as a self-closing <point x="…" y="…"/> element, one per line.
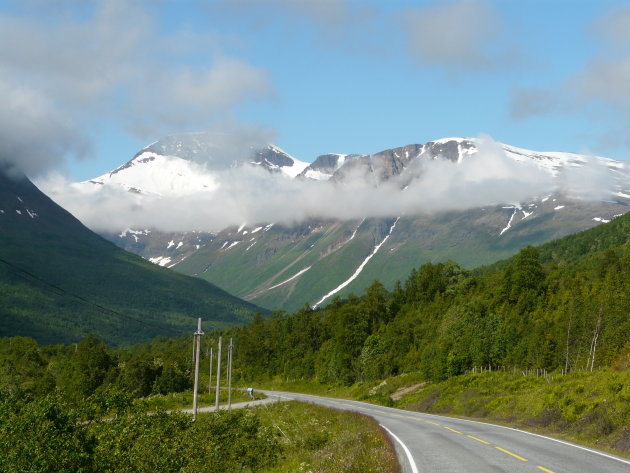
<point x="90" y="83"/>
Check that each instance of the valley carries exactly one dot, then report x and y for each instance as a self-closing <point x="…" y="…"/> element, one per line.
<point x="60" y="282"/>
<point x="399" y="230"/>
<point x="282" y="264"/>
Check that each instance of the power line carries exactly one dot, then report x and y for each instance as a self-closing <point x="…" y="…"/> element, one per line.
<point x="23" y="273"/>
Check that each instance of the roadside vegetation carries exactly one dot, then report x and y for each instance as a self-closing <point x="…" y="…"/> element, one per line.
<point x="88" y="408"/>
<point x="584" y="407"/>
<point x="549" y="327"/>
<point x="110" y="433"/>
<point x="321" y="440"/>
<point x="49" y="434"/>
<point x="592" y="408"/>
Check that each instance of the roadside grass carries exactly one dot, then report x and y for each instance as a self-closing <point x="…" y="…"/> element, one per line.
<point x="312" y="438"/>
<point x="378" y="392"/>
<point x="316" y="439"/>
<point x="591" y="408"/>
<point x="185" y="399"/>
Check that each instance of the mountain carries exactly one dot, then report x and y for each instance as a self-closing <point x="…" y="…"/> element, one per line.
<point x="179" y="166"/>
<point x="60" y="281"/>
<point x="527" y="321"/>
<point x="285" y="265"/>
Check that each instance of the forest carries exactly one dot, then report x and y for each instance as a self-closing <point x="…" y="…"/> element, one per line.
<point x="560" y="308"/>
<point x="444" y="321"/>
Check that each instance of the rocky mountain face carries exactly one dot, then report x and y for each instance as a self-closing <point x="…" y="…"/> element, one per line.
<point x="285" y="266"/>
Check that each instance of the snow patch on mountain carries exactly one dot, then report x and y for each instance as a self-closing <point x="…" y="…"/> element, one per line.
<point x="324" y="166"/>
<point x="154" y="174"/>
<point x="360" y="268"/>
<point x="134" y="233"/>
<point x="509" y="224"/>
<point x="297" y="275"/>
<point x="354" y="233"/>
<point x="160" y="260"/>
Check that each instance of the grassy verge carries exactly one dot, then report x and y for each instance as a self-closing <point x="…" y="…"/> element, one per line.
<point x="321" y="440"/>
<point x="185" y="400"/>
<point x="588" y="408"/>
<point x="311" y="438"/>
<point x="375" y="392"/>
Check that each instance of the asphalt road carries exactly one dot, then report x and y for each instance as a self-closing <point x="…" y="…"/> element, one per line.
<point x="436" y="444"/>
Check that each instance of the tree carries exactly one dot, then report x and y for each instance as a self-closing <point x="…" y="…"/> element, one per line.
<point x="525" y="276"/>
<point x="90" y="366"/>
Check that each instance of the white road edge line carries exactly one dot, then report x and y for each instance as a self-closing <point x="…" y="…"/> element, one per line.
<point x="414" y="468"/>
<point x="602" y="454"/>
<point x="426" y="414"/>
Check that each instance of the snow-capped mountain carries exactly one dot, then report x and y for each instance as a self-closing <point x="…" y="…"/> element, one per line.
<point x="325" y="166"/>
<point x="285" y="265"/>
<point x="178" y="166"/>
<point x="397" y="161"/>
<point x="186" y="164"/>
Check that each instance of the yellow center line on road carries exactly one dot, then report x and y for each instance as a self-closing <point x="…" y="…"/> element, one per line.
<point x="452" y="430"/>
<point x="434" y="423"/>
<point x="512" y="454"/>
<point x="544" y="469"/>
<point x="478" y="440"/>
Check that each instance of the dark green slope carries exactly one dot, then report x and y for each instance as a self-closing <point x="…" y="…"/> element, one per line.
<point x="284" y="267"/>
<point x="577" y="250"/>
<point x="64" y="258"/>
<point x="560" y="307"/>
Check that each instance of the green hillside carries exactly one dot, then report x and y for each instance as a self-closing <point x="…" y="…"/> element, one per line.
<point x="49" y="258"/>
<point x="285" y="267"/>
<point x="561" y="307"/>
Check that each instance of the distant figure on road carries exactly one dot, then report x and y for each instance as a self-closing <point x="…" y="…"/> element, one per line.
<point x="250" y="391"/>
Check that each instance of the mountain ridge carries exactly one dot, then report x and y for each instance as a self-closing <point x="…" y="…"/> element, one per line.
<point x="303" y="261"/>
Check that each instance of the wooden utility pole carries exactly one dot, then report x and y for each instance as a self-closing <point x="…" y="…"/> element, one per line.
<point x="210" y="382"/>
<point x="230" y="375"/>
<point x="198" y="335"/>
<point x="218" y="373"/>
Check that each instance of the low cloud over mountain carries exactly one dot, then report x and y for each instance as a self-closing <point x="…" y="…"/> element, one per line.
<point x="200" y="192"/>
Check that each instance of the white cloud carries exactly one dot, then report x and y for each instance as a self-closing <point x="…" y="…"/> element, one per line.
<point x="601" y="88"/>
<point x="614" y="27"/>
<point x="253" y="195"/>
<point x="456" y="34"/>
<point x="34" y="133"/>
<point x="322" y="12"/>
<point x="532" y="102"/>
<point x="605" y="82"/>
<point x="63" y="73"/>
